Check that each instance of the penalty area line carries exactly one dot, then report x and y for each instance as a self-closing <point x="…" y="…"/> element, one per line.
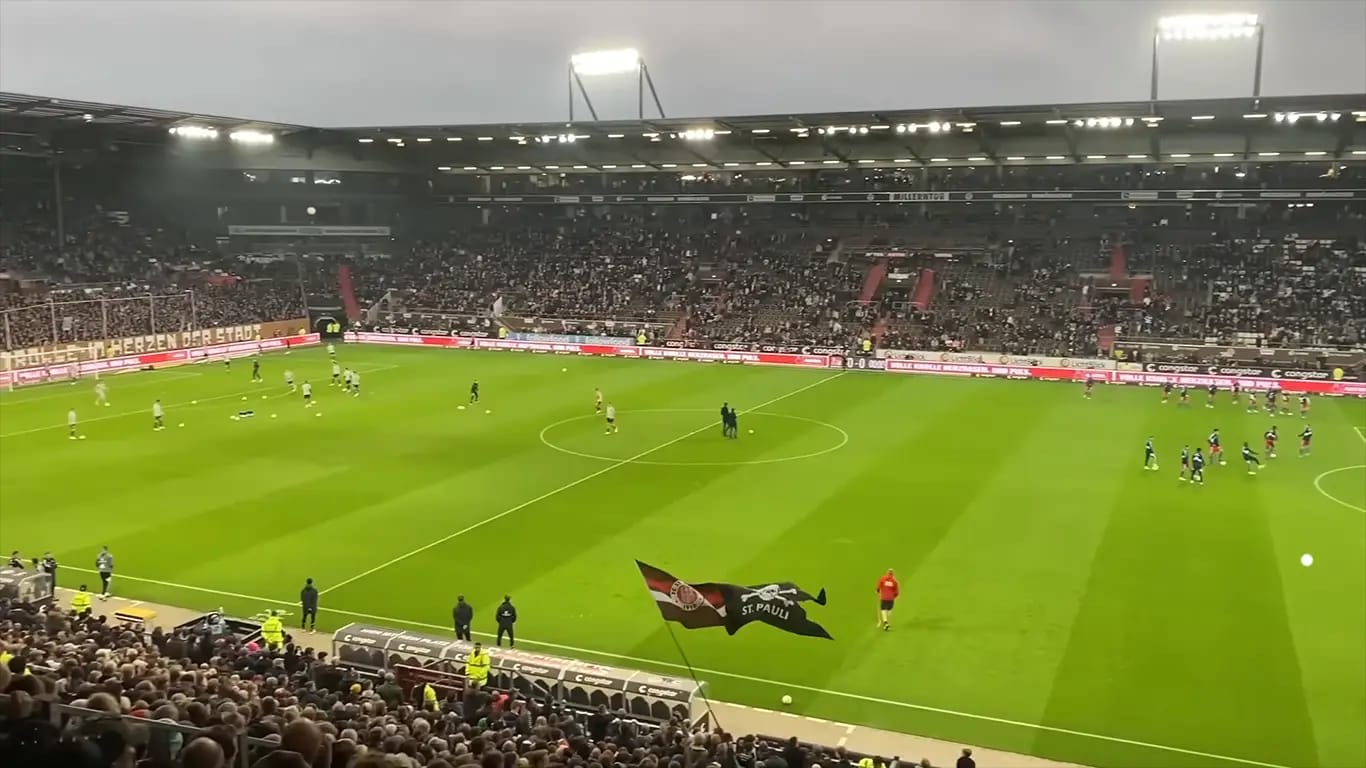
<point x="734" y="675"/>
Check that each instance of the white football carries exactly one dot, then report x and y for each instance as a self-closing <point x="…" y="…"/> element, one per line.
<point x="787" y="700"/>
<point x="182" y="423"/>
<point x="82" y="437"/>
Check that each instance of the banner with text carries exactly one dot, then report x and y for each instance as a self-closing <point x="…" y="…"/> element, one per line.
<point x="77" y="352"/>
<point x="73" y="370"/>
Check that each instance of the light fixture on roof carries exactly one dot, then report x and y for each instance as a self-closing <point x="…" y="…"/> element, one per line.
<point x="1210" y="27"/>
<point x="423" y="139"/>
<point x="1095" y="157"/>
<point x="1315" y="153"/>
<point x="1054" y="157"/>
<point x="453" y="138"/>
<point x="1213" y="26"/>
<point x="1254" y="116"/>
<point x="759" y="131"/>
<point x="471" y="168"/>
<point x="485" y="138"/>
<point x="1137" y="157"/>
<point x="1268" y="154"/>
<point x="1181" y="155"/>
<point x="668" y="165"/>
<point x="443" y="167"/>
<point x="1016" y="157"/>
<point x="797" y="162"/>
<point x="495" y="167"/>
<point x="618" y="61"/>
<point x="552" y="167"/>
<point x="939" y="159"/>
<point x="1009" y="123"/>
<point x="366" y="140"/>
<point x="1223" y="154"/>
<point x="197" y="132"/>
<point x="1202" y="117"/>
<point x="831" y="162"/>
<point x="764" y="163"/>
<point x="977" y="159"/>
<point x="697" y="134"/>
<point x="1055" y="121"/>
<point x="253" y="138"/>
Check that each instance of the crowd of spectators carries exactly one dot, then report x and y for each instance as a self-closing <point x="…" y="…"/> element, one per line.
<point x="113" y="279"/>
<point x="310" y="712"/>
<point x="727" y="279"/>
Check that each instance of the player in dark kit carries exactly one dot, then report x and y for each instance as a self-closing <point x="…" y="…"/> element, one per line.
<point x="733" y="424"/>
<point x="1086" y="392"/>
<point x="1166" y="391"/>
<point x="725" y="419"/>
<point x="1304" y="406"/>
<point x="1250" y="459"/>
<point x="1216" y="451"/>
<point x="1185" y="463"/>
<point x="1269" y="440"/>
<point x="1209" y="397"/>
<point x="1237" y="390"/>
<point x="1306" y="435"/>
<point x="1149" y="455"/>
<point x="1271" y="398"/>
<point x="1198" y="468"/>
<point x="256" y="370"/>
<point x="474" y="392"/>
<point x="1185" y="398"/>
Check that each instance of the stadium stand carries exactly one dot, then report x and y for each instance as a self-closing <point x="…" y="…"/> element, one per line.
<point x="104" y="257"/>
<point x="141" y="697"/>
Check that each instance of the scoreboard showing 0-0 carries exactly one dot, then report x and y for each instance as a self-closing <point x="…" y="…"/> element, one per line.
<point x="416" y="659"/>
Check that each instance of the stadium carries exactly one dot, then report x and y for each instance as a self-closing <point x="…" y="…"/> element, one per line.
<point x="410" y="364"/>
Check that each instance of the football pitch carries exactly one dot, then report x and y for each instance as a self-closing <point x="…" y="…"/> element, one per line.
<point x="1057" y="599"/>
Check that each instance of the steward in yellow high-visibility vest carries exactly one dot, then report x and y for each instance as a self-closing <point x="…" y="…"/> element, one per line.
<point x="273" y="632"/>
<point x="477" y="667"/>
<point x="429" y="697"/>
<point x="80" y="604"/>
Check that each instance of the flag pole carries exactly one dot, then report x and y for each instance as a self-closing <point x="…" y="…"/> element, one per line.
<point x="692" y="673"/>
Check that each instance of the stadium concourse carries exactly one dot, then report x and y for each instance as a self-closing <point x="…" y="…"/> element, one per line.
<point x="153" y="674"/>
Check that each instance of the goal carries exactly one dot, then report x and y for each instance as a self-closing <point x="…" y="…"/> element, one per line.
<point x="32" y="367"/>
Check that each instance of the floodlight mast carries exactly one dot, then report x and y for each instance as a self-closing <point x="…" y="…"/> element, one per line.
<point x="1213" y="27"/>
<point x="611" y="62"/>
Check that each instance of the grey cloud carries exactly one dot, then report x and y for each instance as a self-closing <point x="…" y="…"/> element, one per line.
<point x="321" y="62"/>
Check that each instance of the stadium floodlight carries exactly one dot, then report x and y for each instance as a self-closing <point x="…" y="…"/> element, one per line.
<point x="1211" y="27"/>
<point x="256" y="138"/>
<point x="194" y="132"/>
<point x="618" y="61"/>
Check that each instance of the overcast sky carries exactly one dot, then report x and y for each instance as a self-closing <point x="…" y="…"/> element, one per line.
<point x="395" y="62"/>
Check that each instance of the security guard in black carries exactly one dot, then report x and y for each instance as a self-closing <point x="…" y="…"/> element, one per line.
<point x="506" y="617"/>
<point x="463" y="615"/>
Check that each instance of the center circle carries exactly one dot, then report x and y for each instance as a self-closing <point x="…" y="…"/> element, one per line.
<point x="842" y="439"/>
<point x="1318" y="486"/>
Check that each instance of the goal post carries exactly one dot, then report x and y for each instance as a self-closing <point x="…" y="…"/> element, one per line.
<point x="49" y="367"/>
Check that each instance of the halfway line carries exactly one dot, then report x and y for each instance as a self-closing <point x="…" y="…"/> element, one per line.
<point x="565" y="487"/>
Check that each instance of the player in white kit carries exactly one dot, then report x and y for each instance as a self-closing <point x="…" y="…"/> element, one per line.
<point x="355" y="384"/>
<point x="289" y="380"/>
<point x="158" y="416"/>
<point x="308" y="395"/>
<point x="101" y="393"/>
<point x="611" y="419"/>
<point x="336" y="374"/>
<point x="71" y="424"/>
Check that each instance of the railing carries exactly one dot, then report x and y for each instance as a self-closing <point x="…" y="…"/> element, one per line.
<point x="104" y="317"/>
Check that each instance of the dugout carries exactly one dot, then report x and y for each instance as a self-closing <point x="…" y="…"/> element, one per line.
<point x="421" y="658"/>
<point x="25" y="586"/>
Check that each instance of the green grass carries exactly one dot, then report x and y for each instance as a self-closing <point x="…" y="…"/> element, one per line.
<point x="1057" y="600"/>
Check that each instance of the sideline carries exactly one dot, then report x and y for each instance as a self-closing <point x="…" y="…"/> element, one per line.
<point x="561" y="489"/>
<point x="721" y="673"/>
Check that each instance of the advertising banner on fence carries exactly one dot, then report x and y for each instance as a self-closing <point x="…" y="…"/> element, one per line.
<point x="1245" y="371"/>
<point x="71" y="370"/>
<point x="85" y="351"/>
<point x="997" y="358"/>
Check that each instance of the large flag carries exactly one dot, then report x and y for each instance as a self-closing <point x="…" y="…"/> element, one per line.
<point x="713" y="604"/>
